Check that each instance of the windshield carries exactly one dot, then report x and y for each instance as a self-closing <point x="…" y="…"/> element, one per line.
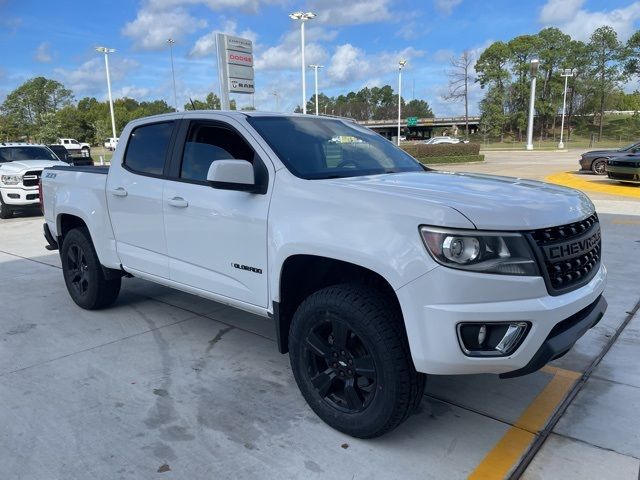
<point x="630" y="147"/>
<point x="319" y="148"/>
<point x="12" y="154"/>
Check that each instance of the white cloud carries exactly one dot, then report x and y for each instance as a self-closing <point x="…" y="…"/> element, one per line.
<point x="446" y="6"/>
<point x="349" y="63"/>
<point x="43" y="53"/>
<point x="560" y="10"/>
<point x="131" y="91"/>
<point x="90" y="78"/>
<point x="250" y="6"/>
<point x="151" y="28"/>
<point x="353" y="12"/>
<point x="581" y="23"/>
<point x="286" y="55"/>
<point x="206" y="44"/>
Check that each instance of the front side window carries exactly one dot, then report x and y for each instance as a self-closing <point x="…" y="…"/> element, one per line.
<point x="147" y="148"/>
<point x="207" y="143"/>
<point x="320" y="148"/>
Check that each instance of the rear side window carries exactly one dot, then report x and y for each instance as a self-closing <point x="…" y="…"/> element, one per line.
<point x="147" y="148"/>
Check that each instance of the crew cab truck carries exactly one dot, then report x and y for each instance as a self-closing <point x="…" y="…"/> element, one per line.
<point x="21" y="165"/>
<point x="74" y="147"/>
<point x="375" y="270"/>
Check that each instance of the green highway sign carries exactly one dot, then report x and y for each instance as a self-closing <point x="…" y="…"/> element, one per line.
<point x="412" y="121"/>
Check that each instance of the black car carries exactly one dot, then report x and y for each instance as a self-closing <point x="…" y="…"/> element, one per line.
<point x="625" y="169"/>
<point x="62" y="153"/>
<point x="596" y="160"/>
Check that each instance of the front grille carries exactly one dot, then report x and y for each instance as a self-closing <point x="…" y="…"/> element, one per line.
<point x="31" y="178"/>
<point x="569" y="254"/>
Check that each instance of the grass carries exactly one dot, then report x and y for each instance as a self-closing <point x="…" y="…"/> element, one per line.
<point x="450" y="159"/>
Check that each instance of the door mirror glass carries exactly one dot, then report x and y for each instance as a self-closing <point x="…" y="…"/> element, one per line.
<point x="232" y="175"/>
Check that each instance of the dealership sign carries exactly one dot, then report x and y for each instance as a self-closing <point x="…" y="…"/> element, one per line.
<point x="235" y="66"/>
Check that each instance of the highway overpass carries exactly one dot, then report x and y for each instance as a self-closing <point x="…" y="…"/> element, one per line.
<point x="424" y="126"/>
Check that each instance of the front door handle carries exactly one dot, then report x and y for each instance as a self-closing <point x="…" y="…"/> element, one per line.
<point x="178" y="202"/>
<point x="119" y="192"/>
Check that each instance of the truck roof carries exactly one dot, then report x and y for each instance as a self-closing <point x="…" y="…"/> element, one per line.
<point x="20" y="144"/>
<point x="239" y="114"/>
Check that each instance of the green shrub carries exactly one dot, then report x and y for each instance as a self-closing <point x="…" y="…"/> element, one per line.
<point x="449" y="159"/>
<point x="422" y="150"/>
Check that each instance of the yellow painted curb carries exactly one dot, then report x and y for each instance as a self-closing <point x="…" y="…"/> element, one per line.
<point x="598" y="184"/>
<point x="503" y="457"/>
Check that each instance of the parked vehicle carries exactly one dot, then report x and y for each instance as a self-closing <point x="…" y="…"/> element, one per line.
<point x="111" y="143"/>
<point x="64" y="156"/>
<point x="74" y="147"/>
<point x="21" y="165"/>
<point x="625" y="169"/>
<point x="440" y="140"/>
<point x="596" y="160"/>
<point x="374" y="269"/>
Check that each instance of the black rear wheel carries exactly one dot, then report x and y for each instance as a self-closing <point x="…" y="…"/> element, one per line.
<point x="351" y="360"/>
<point x="84" y="276"/>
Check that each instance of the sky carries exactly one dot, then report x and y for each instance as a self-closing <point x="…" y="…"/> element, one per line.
<point x="359" y="43"/>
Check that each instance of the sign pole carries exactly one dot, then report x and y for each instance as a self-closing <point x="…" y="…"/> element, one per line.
<point x="223" y="77"/>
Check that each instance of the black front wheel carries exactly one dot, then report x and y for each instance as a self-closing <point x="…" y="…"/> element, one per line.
<point x="85" y="279"/>
<point x="599" y="166"/>
<point x="351" y="360"/>
<point x="5" y="210"/>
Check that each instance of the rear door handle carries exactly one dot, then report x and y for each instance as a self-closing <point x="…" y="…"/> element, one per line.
<point x="119" y="192"/>
<point x="178" y="202"/>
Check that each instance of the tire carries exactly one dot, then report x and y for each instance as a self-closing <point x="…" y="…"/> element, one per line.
<point x="599" y="166"/>
<point x="83" y="273"/>
<point x="350" y="358"/>
<point x="5" y="210"/>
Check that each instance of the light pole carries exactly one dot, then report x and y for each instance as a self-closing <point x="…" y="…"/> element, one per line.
<point x="106" y="52"/>
<point x="171" y="41"/>
<point x="316" y="67"/>
<point x="303" y="17"/>
<point x="568" y="72"/>
<point x="401" y="64"/>
<point x="535" y="63"/>
<point x="277" y="95"/>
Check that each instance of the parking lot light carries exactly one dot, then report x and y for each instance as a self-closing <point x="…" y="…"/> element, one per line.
<point x="106" y="51"/>
<point x="303" y="17"/>
<point x="171" y="42"/>
<point x="568" y="72"/>
<point x="535" y="63"/>
<point x="401" y="64"/>
<point x="315" y="68"/>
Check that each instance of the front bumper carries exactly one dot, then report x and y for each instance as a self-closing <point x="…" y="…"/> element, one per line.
<point x="626" y="174"/>
<point x="20" y="196"/>
<point x="434" y="304"/>
<point x="585" y="163"/>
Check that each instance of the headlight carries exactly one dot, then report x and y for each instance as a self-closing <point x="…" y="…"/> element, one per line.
<point x="11" y="179"/>
<point x="489" y="252"/>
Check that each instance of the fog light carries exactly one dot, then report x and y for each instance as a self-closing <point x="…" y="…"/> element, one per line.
<point x="491" y="339"/>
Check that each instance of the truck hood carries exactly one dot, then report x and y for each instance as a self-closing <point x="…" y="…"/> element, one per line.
<point x="489" y="202"/>
<point x="24" y="165"/>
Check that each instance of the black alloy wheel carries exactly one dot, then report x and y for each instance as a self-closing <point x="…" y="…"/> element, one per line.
<point x="78" y="269"/>
<point x="340" y="366"/>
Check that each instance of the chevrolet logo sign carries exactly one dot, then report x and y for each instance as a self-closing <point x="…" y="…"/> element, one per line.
<point x="573" y="248"/>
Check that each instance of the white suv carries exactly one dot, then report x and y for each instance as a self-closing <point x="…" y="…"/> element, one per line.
<point x="21" y="165"/>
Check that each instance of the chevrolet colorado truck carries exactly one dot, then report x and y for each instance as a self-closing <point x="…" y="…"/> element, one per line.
<point x="374" y="269"/>
<point x="21" y="165"/>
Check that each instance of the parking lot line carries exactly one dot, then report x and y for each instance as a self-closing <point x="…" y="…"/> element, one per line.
<point x="597" y="184"/>
<point x="504" y="456"/>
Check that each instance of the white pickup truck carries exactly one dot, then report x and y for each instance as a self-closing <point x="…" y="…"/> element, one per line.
<point x="21" y="165"/>
<point x="74" y="147"/>
<point x="374" y="269"/>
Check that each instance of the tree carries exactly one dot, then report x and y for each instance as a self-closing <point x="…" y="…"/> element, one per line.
<point x="493" y="74"/>
<point x="459" y="79"/>
<point x="418" y="108"/>
<point x="29" y="106"/>
<point x="606" y="52"/>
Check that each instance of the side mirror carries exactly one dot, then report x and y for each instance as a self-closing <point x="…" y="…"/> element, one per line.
<point x="232" y="175"/>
